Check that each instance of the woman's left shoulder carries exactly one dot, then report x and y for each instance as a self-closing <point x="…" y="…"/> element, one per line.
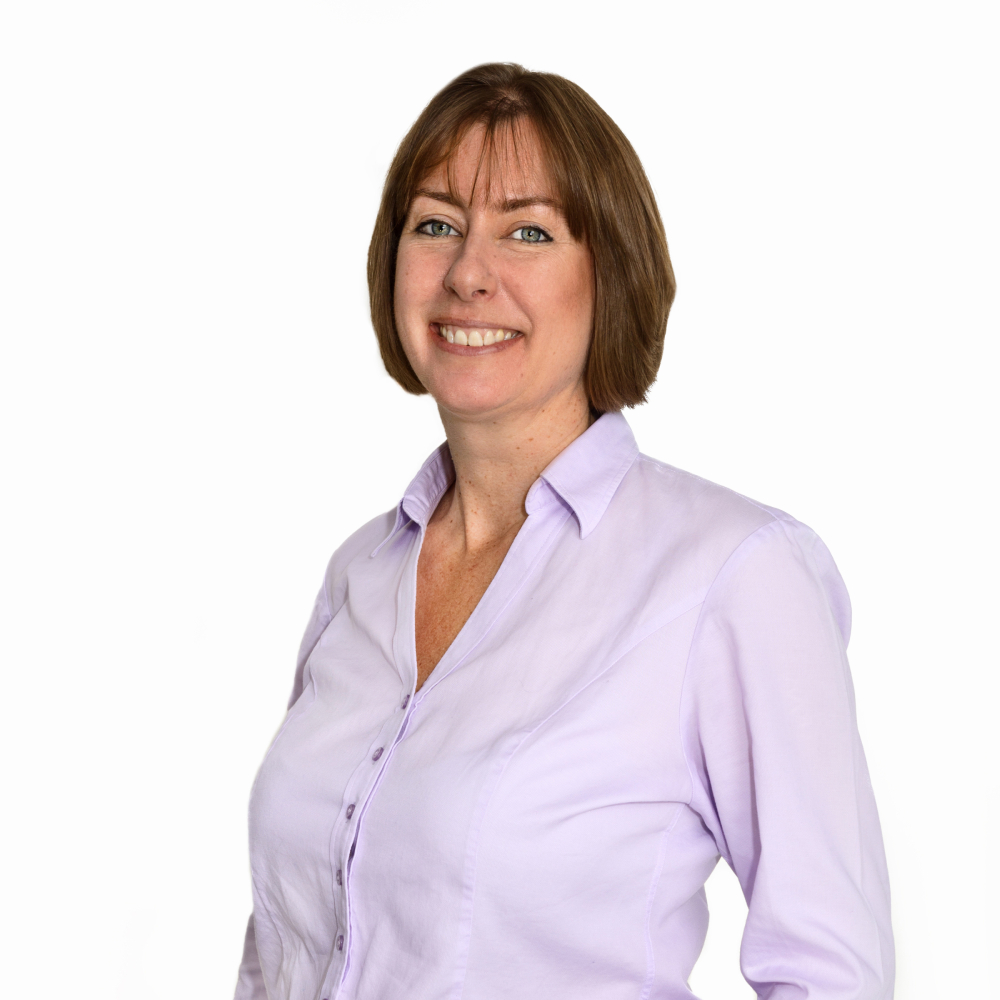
<point x="682" y="503"/>
<point x="691" y="518"/>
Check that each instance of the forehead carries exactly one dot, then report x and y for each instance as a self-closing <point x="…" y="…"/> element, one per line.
<point x="497" y="166"/>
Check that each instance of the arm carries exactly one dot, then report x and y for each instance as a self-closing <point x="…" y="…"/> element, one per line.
<point x="779" y="774"/>
<point x="250" y="983"/>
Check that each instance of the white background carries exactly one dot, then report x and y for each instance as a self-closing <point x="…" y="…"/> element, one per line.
<point x="194" y="414"/>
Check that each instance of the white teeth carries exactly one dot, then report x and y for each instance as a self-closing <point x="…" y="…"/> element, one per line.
<point x="474" y="338"/>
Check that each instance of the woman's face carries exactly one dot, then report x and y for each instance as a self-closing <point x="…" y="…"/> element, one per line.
<point x="494" y="298"/>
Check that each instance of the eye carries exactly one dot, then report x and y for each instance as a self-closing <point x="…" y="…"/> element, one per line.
<point x="531" y="234"/>
<point x="435" y="227"/>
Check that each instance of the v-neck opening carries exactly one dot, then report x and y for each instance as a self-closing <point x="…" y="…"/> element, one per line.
<point x="461" y="646"/>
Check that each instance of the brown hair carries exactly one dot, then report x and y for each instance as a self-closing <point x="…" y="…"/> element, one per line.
<point x="604" y="195"/>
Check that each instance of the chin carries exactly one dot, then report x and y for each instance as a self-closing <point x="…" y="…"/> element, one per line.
<point x="471" y="398"/>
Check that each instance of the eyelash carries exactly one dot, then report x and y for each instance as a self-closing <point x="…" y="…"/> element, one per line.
<point x="546" y="238"/>
<point x="423" y="227"/>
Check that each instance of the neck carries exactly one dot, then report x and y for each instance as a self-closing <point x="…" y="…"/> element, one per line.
<point x="497" y="460"/>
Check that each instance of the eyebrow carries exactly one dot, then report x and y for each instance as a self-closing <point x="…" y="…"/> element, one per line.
<point x="513" y="204"/>
<point x="508" y="205"/>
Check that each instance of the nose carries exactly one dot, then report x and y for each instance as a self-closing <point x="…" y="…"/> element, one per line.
<point x="471" y="274"/>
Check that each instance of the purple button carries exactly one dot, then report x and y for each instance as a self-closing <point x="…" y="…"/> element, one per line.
<point x="378" y="753"/>
<point x="350" y="810"/>
<point x="406" y="701"/>
<point x="340" y="877"/>
<point x="340" y="942"/>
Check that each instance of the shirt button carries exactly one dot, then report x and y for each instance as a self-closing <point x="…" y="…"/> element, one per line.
<point x="350" y="810"/>
<point x="340" y="877"/>
<point x="340" y="942"/>
<point x="406" y="701"/>
<point x="378" y="753"/>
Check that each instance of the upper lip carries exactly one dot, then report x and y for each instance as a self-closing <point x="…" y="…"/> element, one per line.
<point x="470" y="324"/>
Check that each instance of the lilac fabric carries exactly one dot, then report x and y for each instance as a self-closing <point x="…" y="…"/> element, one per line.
<point x="655" y="678"/>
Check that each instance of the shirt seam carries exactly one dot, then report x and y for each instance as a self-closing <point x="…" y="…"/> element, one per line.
<point x="617" y="656"/>
<point x="772" y="512"/>
<point x="654" y="885"/>
<point x="777" y="524"/>
<point x="681" y="608"/>
<point x="472" y="868"/>
<point x="695" y="636"/>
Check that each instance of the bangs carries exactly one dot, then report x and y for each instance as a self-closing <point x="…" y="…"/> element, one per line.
<point x="510" y="135"/>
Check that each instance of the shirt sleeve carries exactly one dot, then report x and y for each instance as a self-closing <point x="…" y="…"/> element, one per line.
<point x="250" y="983"/>
<point x="779" y="774"/>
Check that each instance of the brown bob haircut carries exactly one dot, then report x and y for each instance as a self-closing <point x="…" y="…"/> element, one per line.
<point x="604" y="195"/>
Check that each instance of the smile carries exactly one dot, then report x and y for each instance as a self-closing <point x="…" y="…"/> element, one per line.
<point x="474" y="337"/>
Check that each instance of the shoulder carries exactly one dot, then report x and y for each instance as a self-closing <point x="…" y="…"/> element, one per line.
<point x="358" y="547"/>
<point x="685" y="491"/>
<point x="677" y="507"/>
<point x="707" y="532"/>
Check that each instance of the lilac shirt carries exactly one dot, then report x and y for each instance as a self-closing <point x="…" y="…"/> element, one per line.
<point x="655" y="677"/>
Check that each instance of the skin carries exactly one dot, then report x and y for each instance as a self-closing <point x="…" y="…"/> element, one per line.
<point x="474" y="259"/>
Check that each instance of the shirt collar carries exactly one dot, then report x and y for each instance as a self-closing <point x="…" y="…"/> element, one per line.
<point x="584" y="475"/>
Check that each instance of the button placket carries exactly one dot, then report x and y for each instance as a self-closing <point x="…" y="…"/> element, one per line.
<point x="360" y="790"/>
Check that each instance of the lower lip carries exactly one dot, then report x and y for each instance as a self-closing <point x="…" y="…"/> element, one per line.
<point x="472" y="351"/>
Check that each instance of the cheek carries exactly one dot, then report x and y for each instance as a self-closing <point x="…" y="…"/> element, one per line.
<point x="403" y="291"/>
<point x="405" y="302"/>
<point x="585" y="283"/>
<point x="418" y="281"/>
<point x="561" y="287"/>
<point x="573" y="296"/>
<point x="579" y="309"/>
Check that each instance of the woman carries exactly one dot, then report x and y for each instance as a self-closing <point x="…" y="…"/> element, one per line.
<point x="537" y="701"/>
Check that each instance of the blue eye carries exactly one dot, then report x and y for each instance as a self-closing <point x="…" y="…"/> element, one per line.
<point x="531" y="234"/>
<point x="436" y="228"/>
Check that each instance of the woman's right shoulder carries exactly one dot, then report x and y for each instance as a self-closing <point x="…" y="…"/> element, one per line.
<point x="360" y="545"/>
